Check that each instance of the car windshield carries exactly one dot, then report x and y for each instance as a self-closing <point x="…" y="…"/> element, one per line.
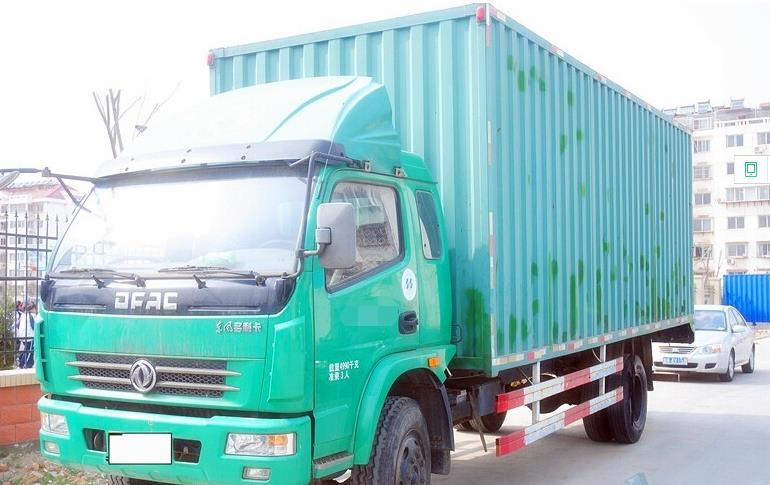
<point x="710" y="320"/>
<point x="245" y="219"/>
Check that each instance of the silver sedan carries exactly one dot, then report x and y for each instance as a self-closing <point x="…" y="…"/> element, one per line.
<point x="723" y="340"/>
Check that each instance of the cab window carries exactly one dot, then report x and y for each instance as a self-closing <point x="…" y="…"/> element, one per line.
<point x="429" y="230"/>
<point x="378" y="235"/>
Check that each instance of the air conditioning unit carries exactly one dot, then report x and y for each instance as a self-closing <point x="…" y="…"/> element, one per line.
<point x="759" y="150"/>
<point x="731" y="261"/>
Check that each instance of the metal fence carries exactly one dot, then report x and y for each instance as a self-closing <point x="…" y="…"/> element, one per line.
<point x="26" y="241"/>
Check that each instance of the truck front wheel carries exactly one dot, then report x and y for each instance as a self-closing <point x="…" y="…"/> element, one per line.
<point x="401" y="449"/>
<point x="627" y="418"/>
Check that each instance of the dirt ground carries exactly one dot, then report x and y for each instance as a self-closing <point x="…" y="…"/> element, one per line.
<point x="23" y="465"/>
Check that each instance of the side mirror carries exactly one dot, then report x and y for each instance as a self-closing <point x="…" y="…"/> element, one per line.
<point x="739" y="329"/>
<point x="336" y="234"/>
<point x="8" y="179"/>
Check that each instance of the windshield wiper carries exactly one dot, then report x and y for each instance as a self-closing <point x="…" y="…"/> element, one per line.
<point x="94" y="273"/>
<point x="212" y="271"/>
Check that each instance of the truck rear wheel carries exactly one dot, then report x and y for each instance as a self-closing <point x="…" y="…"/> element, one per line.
<point x="597" y="427"/>
<point x="627" y="417"/>
<point x="401" y="449"/>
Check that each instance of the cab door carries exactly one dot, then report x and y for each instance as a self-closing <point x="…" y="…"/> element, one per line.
<point x="366" y="312"/>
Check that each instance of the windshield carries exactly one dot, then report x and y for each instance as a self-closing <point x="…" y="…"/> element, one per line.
<point x="246" y="219"/>
<point x="710" y="320"/>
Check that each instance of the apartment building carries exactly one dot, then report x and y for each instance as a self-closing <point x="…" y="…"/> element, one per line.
<point x="731" y="221"/>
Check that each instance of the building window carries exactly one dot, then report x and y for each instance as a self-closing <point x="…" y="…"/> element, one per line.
<point x="702" y="224"/>
<point x="763" y="193"/>
<point x="730" y="168"/>
<point x="764" y="221"/>
<point x="736" y="222"/>
<point x="702" y="172"/>
<point x="702" y="124"/>
<point x="703" y="198"/>
<point x="734" y="141"/>
<point x="763" y="138"/>
<point x="701" y="146"/>
<point x="735" y="194"/>
<point x="763" y="249"/>
<point x="700" y="251"/>
<point x="737" y="250"/>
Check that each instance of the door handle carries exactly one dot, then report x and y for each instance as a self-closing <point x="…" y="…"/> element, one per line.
<point x="407" y="322"/>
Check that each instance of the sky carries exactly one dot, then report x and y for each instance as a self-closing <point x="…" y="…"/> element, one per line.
<point x="55" y="54"/>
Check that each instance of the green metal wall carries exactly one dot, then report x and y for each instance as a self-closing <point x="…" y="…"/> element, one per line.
<point x="566" y="199"/>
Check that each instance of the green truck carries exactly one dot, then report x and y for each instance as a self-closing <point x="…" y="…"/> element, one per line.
<point x="366" y="239"/>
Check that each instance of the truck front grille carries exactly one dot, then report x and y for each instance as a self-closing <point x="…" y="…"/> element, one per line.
<point x="179" y="377"/>
<point x="670" y="349"/>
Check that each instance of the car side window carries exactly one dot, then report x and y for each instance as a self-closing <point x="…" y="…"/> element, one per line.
<point x="739" y="320"/>
<point x="732" y="318"/>
<point x="429" y="229"/>
<point x="378" y="233"/>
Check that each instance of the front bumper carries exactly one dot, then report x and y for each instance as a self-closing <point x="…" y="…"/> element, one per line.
<point x="212" y="467"/>
<point x="696" y="362"/>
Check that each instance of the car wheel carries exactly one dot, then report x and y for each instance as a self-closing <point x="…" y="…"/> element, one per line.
<point x="748" y="367"/>
<point x="730" y="372"/>
<point x="628" y="417"/>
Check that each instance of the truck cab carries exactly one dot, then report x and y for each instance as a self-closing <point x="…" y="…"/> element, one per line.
<point x="251" y="280"/>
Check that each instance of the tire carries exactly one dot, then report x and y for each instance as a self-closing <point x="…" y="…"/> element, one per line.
<point x="597" y="425"/>
<point x="730" y="372"/>
<point x="628" y="417"/>
<point x="116" y="480"/>
<point x="401" y="448"/>
<point x="748" y="367"/>
<point x="492" y="422"/>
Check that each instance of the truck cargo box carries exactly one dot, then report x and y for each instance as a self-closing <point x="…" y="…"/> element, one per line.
<point x="567" y="199"/>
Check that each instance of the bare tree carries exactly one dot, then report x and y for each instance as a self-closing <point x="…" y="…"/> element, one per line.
<point x="111" y="113"/>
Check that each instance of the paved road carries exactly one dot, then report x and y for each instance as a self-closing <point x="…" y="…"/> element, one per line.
<point x="699" y="431"/>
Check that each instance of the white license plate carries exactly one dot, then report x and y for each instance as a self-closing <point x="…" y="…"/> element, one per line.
<point x="139" y="449"/>
<point x="674" y="360"/>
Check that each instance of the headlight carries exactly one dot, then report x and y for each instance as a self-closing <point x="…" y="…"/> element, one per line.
<point x="260" y="444"/>
<point x="54" y="423"/>
<point x="711" y="349"/>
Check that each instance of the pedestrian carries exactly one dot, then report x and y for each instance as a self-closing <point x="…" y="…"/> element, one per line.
<point x="27" y="336"/>
<point x="17" y="314"/>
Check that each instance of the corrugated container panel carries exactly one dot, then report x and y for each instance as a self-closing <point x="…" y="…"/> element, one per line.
<point x="750" y="294"/>
<point x="566" y="198"/>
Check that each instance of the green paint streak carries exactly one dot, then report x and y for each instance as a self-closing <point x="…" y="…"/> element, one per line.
<point x="522" y="81"/>
<point x="541" y="85"/>
<point x="625" y="253"/>
<point x="642" y="262"/>
<point x="534" y="271"/>
<point x="554" y="332"/>
<point x="476" y="315"/>
<point x="529" y="179"/>
<point x="625" y="309"/>
<point x="562" y="143"/>
<point x="535" y="307"/>
<point x="573" y="310"/>
<point x="647" y="208"/>
<point x="606" y="323"/>
<point x="598" y="292"/>
<point x="513" y="331"/>
<point x="614" y="274"/>
<point x="606" y="246"/>
<point x="579" y="135"/>
<point x="581" y="272"/>
<point x="532" y="73"/>
<point x="524" y="330"/>
<point x="511" y="63"/>
<point x="583" y="190"/>
<point x="570" y="98"/>
<point x="657" y="251"/>
<point x="554" y="268"/>
<point x="662" y="216"/>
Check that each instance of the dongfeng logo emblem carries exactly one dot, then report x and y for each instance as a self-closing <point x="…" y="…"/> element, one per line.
<point x="142" y="375"/>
